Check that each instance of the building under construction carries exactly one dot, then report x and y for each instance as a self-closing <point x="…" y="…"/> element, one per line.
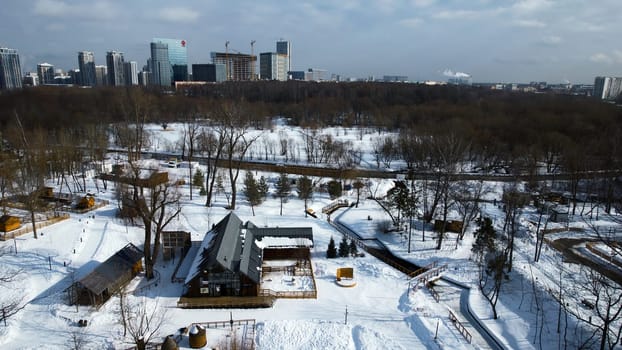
<point x="238" y="66"/>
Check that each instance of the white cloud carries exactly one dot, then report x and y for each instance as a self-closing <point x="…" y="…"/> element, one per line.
<point x="411" y="22"/>
<point x="457" y="14"/>
<point x="529" y="23"/>
<point x="551" y="40"/>
<point x="60" y="9"/>
<point x="177" y="14"/>
<point x="531" y="6"/>
<point x="423" y="3"/>
<point x="601" y="58"/>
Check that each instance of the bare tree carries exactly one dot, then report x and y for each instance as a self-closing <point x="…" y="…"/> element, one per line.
<point x="143" y="320"/>
<point x="236" y="144"/>
<point x="191" y="131"/>
<point x="32" y="169"/>
<point x="156" y="208"/>
<point x="491" y="260"/>
<point x="514" y="201"/>
<point x="10" y="302"/>
<point x="605" y="297"/>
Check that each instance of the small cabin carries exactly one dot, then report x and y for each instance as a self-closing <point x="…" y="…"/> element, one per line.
<point x="9" y="223"/>
<point x="450" y="226"/>
<point x="107" y="278"/>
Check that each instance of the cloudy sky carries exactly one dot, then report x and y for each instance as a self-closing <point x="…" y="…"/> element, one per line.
<point x="493" y="40"/>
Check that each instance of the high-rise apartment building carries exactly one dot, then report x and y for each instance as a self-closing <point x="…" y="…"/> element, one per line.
<point x="116" y="70"/>
<point x="177" y="57"/>
<point x="10" y="69"/>
<point x="131" y="73"/>
<point x="284" y="47"/>
<point x="101" y="75"/>
<point x="86" y="63"/>
<point x="607" y="88"/>
<point x="159" y="64"/>
<point x="46" y="73"/>
<point x="273" y="66"/>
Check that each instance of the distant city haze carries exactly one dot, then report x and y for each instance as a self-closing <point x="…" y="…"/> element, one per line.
<point x="491" y="41"/>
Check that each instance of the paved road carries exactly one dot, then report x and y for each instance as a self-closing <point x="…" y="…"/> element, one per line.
<point x="327" y="171"/>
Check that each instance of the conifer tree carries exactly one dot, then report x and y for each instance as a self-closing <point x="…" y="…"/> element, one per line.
<point x="353" y="248"/>
<point x="331" y="252"/>
<point x="251" y="190"/>
<point x="344" y="248"/>
<point x="283" y="189"/>
<point x="305" y="190"/>
<point x="262" y="187"/>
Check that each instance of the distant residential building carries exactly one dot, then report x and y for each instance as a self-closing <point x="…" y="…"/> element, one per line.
<point x="116" y="71"/>
<point x="131" y="73"/>
<point x="297" y="75"/>
<point x="31" y="79"/>
<point x="10" y="69"/>
<point x="209" y="72"/>
<point x="143" y="78"/>
<point x="46" y="73"/>
<point x="75" y="76"/>
<point x="395" y="78"/>
<point x="86" y="63"/>
<point x="607" y="88"/>
<point x="284" y="47"/>
<point x="460" y="80"/>
<point x="177" y="57"/>
<point x="315" y="74"/>
<point x="238" y="66"/>
<point x="273" y="66"/>
<point x="159" y="64"/>
<point x="101" y="75"/>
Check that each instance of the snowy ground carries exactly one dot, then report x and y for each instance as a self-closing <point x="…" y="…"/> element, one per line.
<point x="380" y="311"/>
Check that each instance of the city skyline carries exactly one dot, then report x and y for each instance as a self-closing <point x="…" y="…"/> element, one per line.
<point x="503" y="41"/>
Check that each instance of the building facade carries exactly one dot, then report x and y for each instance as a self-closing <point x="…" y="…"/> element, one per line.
<point x="10" y="69"/>
<point x="159" y="65"/>
<point x="131" y="73"/>
<point x="177" y="57"/>
<point x="284" y="47"/>
<point x="273" y="66"/>
<point x="116" y="70"/>
<point x="101" y="75"/>
<point x="46" y="73"/>
<point x="86" y="63"/>
<point x="238" y="66"/>
<point x="209" y="72"/>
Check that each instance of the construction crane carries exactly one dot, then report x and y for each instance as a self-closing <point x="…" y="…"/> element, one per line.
<point x="252" y="62"/>
<point x="228" y="77"/>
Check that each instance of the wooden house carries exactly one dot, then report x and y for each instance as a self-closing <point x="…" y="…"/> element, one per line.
<point x="230" y="258"/>
<point x="9" y="223"/>
<point x="107" y="278"/>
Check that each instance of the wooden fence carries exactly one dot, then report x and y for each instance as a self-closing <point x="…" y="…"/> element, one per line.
<point x="28" y="226"/>
<point x="460" y="327"/>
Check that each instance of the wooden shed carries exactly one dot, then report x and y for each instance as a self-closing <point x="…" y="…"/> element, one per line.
<point x="9" y="223"/>
<point x="107" y="278"/>
<point x="86" y="202"/>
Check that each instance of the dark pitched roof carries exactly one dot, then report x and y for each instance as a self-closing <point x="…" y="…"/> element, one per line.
<point x="233" y="246"/>
<point x="108" y="272"/>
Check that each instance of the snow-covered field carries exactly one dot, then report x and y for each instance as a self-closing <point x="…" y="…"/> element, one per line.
<point x="378" y="313"/>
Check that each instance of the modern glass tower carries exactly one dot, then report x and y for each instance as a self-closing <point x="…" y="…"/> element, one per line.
<point x="159" y="65"/>
<point x="86" y="62"/>
<point x="116" y="73"/>
<point x="177" y="57"/>
<point x="10" y="69"/>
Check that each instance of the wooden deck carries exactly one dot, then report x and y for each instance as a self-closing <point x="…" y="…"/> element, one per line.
<point x="226" y="302"/>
